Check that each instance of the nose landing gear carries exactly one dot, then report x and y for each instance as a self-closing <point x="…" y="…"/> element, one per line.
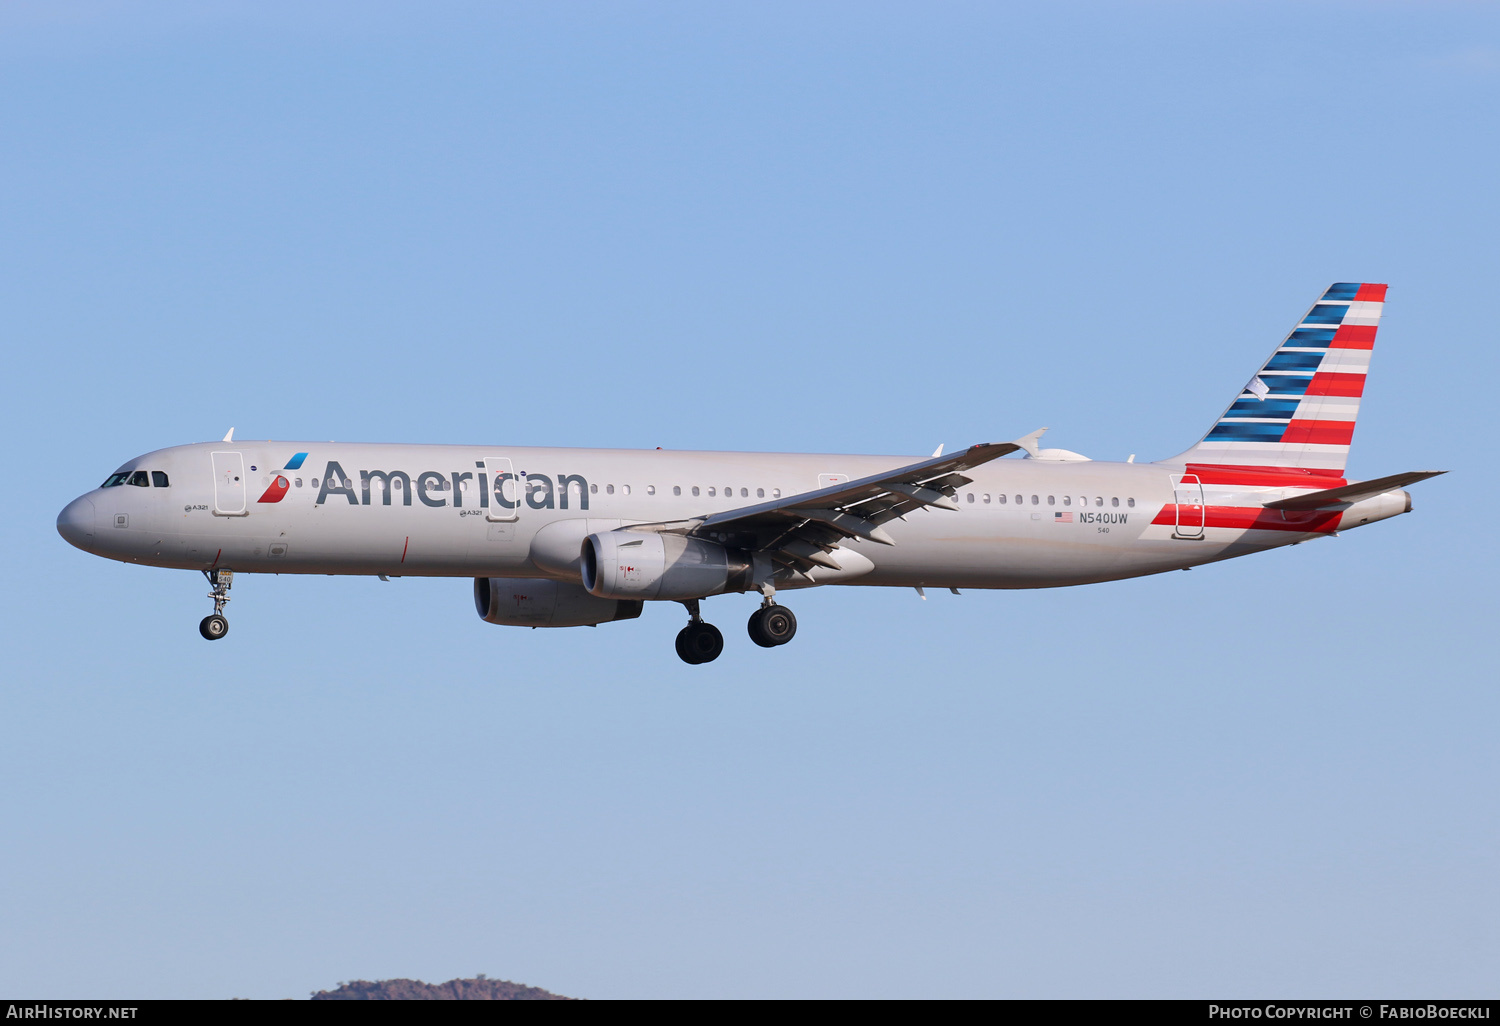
<point x="698" y="642"/>
<point x="215" y="626"/>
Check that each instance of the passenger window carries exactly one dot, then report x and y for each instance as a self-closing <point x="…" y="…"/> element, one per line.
<point x="1115" y="501"/>
<point x="1001" y="499"/>
<point x="744" y="493"/>
<point x="651" y="489"/>
<point x="609" y="489"/>
<point x="315" y="482"/>
<point x="159" y="478"/>
<point x="695" y="489"/>
<point x="140" y="480"/>
<point x="711" y="492"/>
<point x="1067" y="500"/>
<point x="760" y="493"/>
<point x="986" y="496"/>
<point x="593" y="490"/>
<point x="1036" y="500"/>
<point x="1098" y="500"/>
<point x="677" y="489"/>
<point x="298" y="483"/>
<point x="625" y="489"/>
<point x="729" y="493"/>
<point x="1130" y="503"/>
<point x="1019" y="500"/>
<point x="971" y="496"/>
<point x="775" y="493"/>
<point x="1051" y="501"/>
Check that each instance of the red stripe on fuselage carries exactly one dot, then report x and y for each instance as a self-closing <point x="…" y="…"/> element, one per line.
<point x="1266" y="477"/>
<point x="1253" y="518"/>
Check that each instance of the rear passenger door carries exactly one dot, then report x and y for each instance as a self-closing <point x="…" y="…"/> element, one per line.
<point x="1190" y="513"/>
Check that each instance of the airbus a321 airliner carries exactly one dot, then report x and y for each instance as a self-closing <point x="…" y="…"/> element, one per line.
<point x="580" y="537"/>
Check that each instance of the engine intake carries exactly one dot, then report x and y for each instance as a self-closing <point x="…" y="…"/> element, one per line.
<point x="536" y="602"/>
<point x="645" y="565"/>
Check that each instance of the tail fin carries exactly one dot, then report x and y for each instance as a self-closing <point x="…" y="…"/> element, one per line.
<point x="1299" y="410"/>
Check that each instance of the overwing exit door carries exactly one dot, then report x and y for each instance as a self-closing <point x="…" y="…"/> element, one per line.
<point x="1190" y="514"/>
<point x="229" y="484"/>
<point x="504" y="488"/>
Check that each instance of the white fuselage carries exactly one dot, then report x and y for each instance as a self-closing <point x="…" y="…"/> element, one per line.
<point x="428" y="510"/>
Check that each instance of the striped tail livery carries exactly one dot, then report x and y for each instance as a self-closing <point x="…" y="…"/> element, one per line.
<point x="1298" y="412"/>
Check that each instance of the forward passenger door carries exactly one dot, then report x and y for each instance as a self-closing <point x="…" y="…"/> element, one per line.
<point x="229" y="484"/>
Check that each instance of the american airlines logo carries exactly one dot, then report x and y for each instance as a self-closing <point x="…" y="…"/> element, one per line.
<point x="434" y="488"/>
<point x="279" y="485"/>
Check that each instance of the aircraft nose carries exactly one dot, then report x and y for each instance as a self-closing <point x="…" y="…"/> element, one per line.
<point x="76" y="523"/>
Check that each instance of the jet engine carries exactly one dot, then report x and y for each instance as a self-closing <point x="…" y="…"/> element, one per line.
<point x="534" y="602"/>
<point x="645" y="565"/>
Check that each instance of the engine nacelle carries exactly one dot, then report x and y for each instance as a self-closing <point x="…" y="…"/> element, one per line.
<point x="536" y="602"/>
<point x="645" y="565"/>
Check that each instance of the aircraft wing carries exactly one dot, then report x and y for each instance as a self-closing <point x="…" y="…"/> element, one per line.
<point x="1352" y="492"/>
<point x="802" y="530"/>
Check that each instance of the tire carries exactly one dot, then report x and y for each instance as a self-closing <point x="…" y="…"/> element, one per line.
<point x="757" y="629"/>
<point x="683" y="651"/>
<point x="772" y="626"/>
<point x="213" y="627"/>
<point x="700" y="643"/>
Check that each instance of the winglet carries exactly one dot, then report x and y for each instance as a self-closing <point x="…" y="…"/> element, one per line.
<point x="1028" y="442"/>
<point x="230" y="436"/>
<point x="936" y="452"/>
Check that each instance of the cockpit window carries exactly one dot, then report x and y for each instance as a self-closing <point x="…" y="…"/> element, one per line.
<point x="159" y="478"/>
<point x="114" y="480"/>
<point x="140" y="480"/>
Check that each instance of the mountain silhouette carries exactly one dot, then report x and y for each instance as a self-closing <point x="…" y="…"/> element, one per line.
<point x="480" y="988"/>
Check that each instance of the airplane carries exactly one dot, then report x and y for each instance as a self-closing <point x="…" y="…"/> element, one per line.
<point x="579" y="537"/>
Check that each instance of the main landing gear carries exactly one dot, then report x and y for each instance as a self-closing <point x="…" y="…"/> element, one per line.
<point x="215" y="626"/>
<point x="698" y="642"/>
<point x="772" y="625"/>
<point x="701" y="642"/>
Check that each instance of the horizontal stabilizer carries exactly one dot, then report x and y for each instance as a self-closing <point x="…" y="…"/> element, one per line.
<point x="1350" y="493"/>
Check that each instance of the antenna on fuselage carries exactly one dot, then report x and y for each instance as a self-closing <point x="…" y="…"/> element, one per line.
<point x="230" y="436"/>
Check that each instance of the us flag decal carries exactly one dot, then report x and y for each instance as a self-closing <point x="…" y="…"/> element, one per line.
<point x="1062" y="518"/>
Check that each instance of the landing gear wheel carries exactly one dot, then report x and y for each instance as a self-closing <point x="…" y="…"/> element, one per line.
<point x="772" y="625"/>
<point x="213" y="627"/>
<point x="699" y="643"/>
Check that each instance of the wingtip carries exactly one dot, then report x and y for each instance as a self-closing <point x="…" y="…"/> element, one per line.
<point x="1028" y="442"/>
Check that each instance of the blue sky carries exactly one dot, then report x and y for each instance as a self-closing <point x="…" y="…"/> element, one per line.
<point x="835" y="227"/>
